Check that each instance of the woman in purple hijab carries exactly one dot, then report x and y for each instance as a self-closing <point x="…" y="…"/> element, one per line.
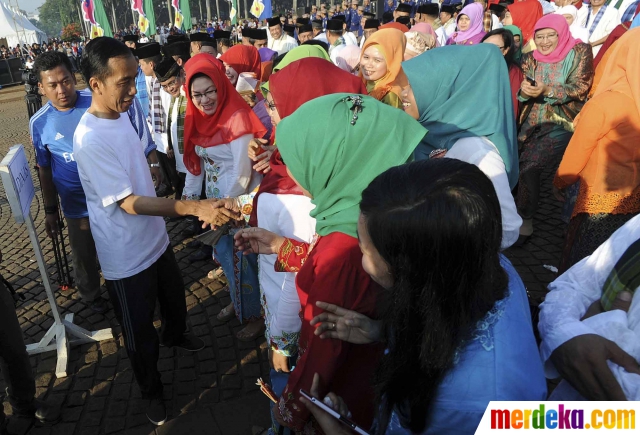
<point x="470" y="26"/>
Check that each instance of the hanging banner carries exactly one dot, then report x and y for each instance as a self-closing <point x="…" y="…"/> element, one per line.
<point x="136" y="6"/>
<point x="143" y="24"/>
<point x="261" y="9"/>
<point x="101" y="18"/>
<point x="257" y="8"/>
<point x="185" y="10"/>
<point x="179" y="19"/>
<point x="88" y="11"/>
<point x="233" y="12"/>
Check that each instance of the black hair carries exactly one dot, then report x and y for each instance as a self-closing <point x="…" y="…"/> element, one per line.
<point x="437" y="225"/>
<point x="508" y="41"/>
<point x="95" y="59"/>
<point x="336" y="32"/>
<point x="387" y="17"/>
<point x="50" y="60"/>
<point x="319" y="43"/>
<point x="224" y="42"/>
<point x="278" y="59"/>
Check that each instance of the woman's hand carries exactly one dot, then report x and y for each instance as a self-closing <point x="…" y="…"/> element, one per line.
<point x="278" y="361"/>
<point x="533" y="91"/>
<point x="258" y="241"/>
<point x="328" y="423"/>
<point x="346" y="325"/>
<point x="260" y="153"/>
<point x="216" y="212"/>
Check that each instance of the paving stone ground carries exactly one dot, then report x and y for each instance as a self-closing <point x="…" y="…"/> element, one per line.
<point x="212" y="391"/>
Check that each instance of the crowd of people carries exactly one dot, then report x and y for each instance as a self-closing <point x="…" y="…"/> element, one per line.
<point x="361" y="179"/>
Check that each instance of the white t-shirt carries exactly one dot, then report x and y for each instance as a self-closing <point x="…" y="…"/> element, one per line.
<point x="481" y="152"/>
<point x="112" y="167"/>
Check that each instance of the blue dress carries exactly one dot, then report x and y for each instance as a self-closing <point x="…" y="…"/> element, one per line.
<point x="501" y="362"/>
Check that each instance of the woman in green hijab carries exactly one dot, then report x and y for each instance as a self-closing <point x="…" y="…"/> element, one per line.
<point x="333" y="166"/>
<point x="517" y="41"/>
<point x="300" y="53"/>
<point x="465" y="103"/>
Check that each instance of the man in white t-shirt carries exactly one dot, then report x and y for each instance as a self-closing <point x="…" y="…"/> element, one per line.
<point x="130" y="235"/>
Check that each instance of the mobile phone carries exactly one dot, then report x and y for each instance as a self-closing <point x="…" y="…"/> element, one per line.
<point x="333" y="413"/>
<point x="531" y="81"/>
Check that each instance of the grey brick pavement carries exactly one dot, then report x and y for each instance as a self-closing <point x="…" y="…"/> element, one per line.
<point x="211" y="391"/>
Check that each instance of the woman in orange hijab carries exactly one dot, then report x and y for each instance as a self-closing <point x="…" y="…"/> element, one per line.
<point x="240" y="59"/>
<point x="380" y="66"/>
<point x="603" y="154"/>
<point x="218" y="127"/>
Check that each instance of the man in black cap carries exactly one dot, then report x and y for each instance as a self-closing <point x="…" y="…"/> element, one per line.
<point x="289" y="29"/>
<point x="179" y="51"/>
<point x="305" y="33"/>
<point x="130" y="41"/>
<point x="177" y="38"/>
<point x="202" y="43"/>
<point x="223" y="38"/>
<point x="498" y="12"/>
<point x="370" y="27"/>
<point x="149" y="55"/>
<point x="279" y="41"/>
<point x="429" y="13"/>
<point x="448" y="14"/>
<point x="171" y="77"/>
<point x="316" y="27"/>
<point x="247" y="35"/>
<point x="403" y="10"/>
<point x="334" y="34"/>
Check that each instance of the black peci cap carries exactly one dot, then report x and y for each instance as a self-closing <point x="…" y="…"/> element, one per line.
<point x="371" y="23"/>
<point x="304" y="29"/>
<point x="429" y="9"/>
<point x="404" y="7"/>
<point x="260" y="34"/>
<point x="166" y="69"/>
<point x="498" y="8"/>
<point x="289" y="28"/>
<point x="145" y="51"/>
<point x="221" y="34"/>
<point x="404" y="20"/>
<point x="275" y="21"/>
<point x="175" y="38"/>
<point x="368" y="15"/>
<point x="194" y="37"/>
<point x="133" y="38"/>
<point x="450" y="9"/>
<point x="301" y="21"/>
<point x="335" y="25"/>
<point x="180" y="48"/>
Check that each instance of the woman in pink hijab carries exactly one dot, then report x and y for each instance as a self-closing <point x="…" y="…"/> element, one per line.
<point x="470" y="23"/>
<point x="558" y="75"/>
<point x="348" y="59"/>
<point x="420" y="38"/>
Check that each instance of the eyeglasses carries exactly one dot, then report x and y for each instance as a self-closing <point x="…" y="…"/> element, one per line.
<point x="270" y="104"/>
<point x="549" y="37"/>
<point x="208" y="94"/>
<point x="171" y="84"/>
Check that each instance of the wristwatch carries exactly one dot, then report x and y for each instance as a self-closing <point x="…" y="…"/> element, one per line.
<point x="550" y="94"/>
<point x="154" y="165"/>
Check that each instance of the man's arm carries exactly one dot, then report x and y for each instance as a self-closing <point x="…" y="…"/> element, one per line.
<point x="211" y="212"/>
<point x="50" y="198"/>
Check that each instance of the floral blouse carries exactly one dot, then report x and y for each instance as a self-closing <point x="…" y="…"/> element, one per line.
<point x="570" y="80"/>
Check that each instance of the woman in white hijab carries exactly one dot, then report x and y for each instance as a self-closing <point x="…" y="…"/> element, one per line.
<point x="570" y="13"/>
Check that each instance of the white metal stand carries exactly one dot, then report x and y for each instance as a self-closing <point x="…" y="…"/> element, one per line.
<point x="18" y="185"/>
<point x="56" y="337"/>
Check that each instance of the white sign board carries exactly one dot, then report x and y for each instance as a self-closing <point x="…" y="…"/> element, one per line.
<point x="18" y="185"/>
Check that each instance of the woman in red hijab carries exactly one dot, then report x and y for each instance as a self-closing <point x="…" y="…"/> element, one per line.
<point x="524" y="15"/>
<point x="218" y="127"/>
<point x="239" y="59"/>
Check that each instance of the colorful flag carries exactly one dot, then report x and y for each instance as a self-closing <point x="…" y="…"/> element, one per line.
<point x="261" y="9"/>
<point x="143" y="24"/>
<point x="96" y="31"/>
<point x="233" y="13"/>
<point x="88" y="11"/>
<point x="179" y="19"/>
<point x="136" y="5"/>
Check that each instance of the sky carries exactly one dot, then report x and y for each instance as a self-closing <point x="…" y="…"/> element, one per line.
<point x="27" y="5"/>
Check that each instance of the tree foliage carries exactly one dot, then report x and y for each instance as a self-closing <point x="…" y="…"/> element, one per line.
<point x="71" y="32"/>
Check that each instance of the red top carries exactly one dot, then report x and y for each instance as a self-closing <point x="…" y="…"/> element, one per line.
<point x="332" y="272"/>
